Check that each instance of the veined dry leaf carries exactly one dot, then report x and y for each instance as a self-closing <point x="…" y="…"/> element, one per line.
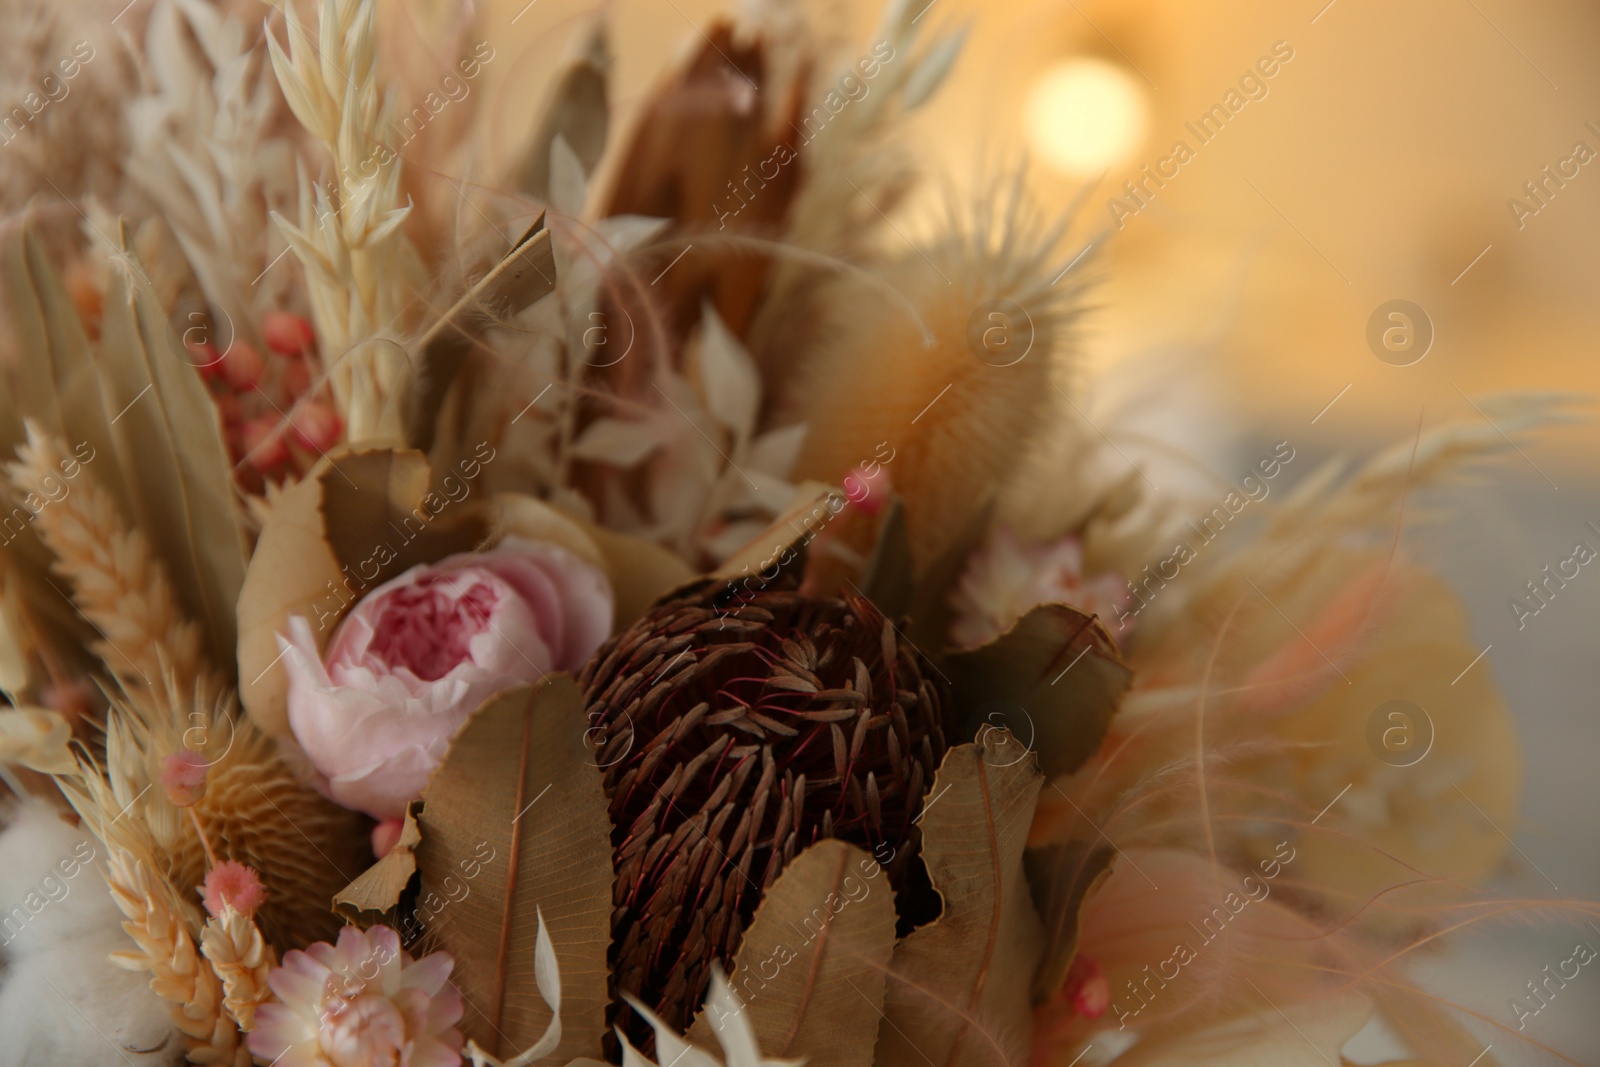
<point x="515" y="820"/>
<point x="958" y="987"/>
<point x="1061" y="875"/>
<point x="620" y="442"/>
<point x="527" y="273"/>
<point x="1054" y="679"/>
<point x="811" y="968"/>
<point x="376" y="890"/>
<point x="177" y="473"/>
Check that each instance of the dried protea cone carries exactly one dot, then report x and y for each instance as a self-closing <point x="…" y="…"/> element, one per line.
<point x="733" y="735"/>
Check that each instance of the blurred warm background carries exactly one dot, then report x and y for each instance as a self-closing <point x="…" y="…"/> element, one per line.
<point x="1374" y="164"/>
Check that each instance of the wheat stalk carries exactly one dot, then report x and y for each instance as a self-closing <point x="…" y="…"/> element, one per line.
<point x="242" y="958"/>
<point x="117" y="582"/>
<point x="178" y="973"/>
<point x="360" y="267"/>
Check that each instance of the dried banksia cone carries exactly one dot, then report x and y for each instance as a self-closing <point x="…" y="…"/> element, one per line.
<point x="733" y="736"/>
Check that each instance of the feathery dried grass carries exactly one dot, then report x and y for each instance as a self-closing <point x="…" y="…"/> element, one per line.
<point x="178" y="973"/>
<point x="961" y="404"/>
<point x="117" y="582"/>
<point x="242" y="958"/>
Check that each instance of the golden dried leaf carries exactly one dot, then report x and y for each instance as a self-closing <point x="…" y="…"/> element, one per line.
<point x="515" y="820"/>
<point x="1055" y="679"/>
<point x="376" y="890"/>
<point x="811" y="968"/>
<point x="958" y="987"/>
<point x="1062" y="875"/>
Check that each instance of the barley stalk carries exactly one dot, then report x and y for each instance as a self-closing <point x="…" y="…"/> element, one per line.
<point x="117" y="583"/>
<point x="360" y="267"/>
<point x="178" y="973"/>
<point x="241" y="957"/>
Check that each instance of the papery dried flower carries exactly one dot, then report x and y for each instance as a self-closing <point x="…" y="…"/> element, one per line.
<point x="733" y="740"/>
<point x="362" y="1002"/>
<point x="419" y="654"/>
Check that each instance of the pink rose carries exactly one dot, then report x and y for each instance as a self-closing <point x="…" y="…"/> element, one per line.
<point x="416" y="656"/>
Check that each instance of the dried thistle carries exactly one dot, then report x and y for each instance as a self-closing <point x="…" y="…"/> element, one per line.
<point x="733" y="741"/>
<point x="254" y="810"/>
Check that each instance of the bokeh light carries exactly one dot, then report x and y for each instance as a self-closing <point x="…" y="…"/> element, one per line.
<point x="1086" y="115"/>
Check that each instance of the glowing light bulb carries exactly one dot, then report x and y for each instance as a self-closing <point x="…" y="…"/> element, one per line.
<point x="1085" y="116"/>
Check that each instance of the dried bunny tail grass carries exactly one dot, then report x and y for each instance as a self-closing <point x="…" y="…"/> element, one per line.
<point x="962" y="395"/>
<point x="242" y="958"/>
<point x="360" y="267"/>
<point x="117" y="582"/>
<point x="159" y="927"/>
<point x="255" y="810"/>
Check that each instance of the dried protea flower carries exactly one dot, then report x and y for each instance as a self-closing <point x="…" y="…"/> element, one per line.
<point x="732" y="737"/>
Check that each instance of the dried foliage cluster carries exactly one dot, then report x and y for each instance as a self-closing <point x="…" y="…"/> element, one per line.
<point x="275" y="341"/>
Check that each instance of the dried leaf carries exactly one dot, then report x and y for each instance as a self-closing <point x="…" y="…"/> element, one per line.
<point x="1055" y="679"/>
<point x="176" y="469"/>
<point x="293" y="571"/>
<point x="515" y="820"/>
<point x="569" y="183"/>
<point x="578" y="113"/>
<point x="619" y="442"/>
<point x="55" y="374"/>
<point x="827" y="927"/>
<point x="381" y="519"/>
<point x="376" y="891"/>
<point x="527" y="273"/>
<point x="812" y="507"/>
<point x="1062" y="875"/>
<point x="887" y="580"/>
<point x="728" y="376"/>
<point x="958" y="987"/>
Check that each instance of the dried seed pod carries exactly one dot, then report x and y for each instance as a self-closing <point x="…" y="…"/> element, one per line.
<point x="731" y="753"/>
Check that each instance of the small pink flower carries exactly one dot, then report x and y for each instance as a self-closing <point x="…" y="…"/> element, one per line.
<point x="1006" y="578"/>
<point x="419" y="654"/>
<point x="1086" y="987"/>
<point x="362" y="1003"/>
<point x="233" y="885"/>
<point x="183" y="777"/>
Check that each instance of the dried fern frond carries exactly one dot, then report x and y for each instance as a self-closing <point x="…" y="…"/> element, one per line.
<point x="255" y="810"/>
<point x="117" y="582"/>
<point x="178" y="973"/>
<point x="241" y="957"/>
<point x="361" y="269"/>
